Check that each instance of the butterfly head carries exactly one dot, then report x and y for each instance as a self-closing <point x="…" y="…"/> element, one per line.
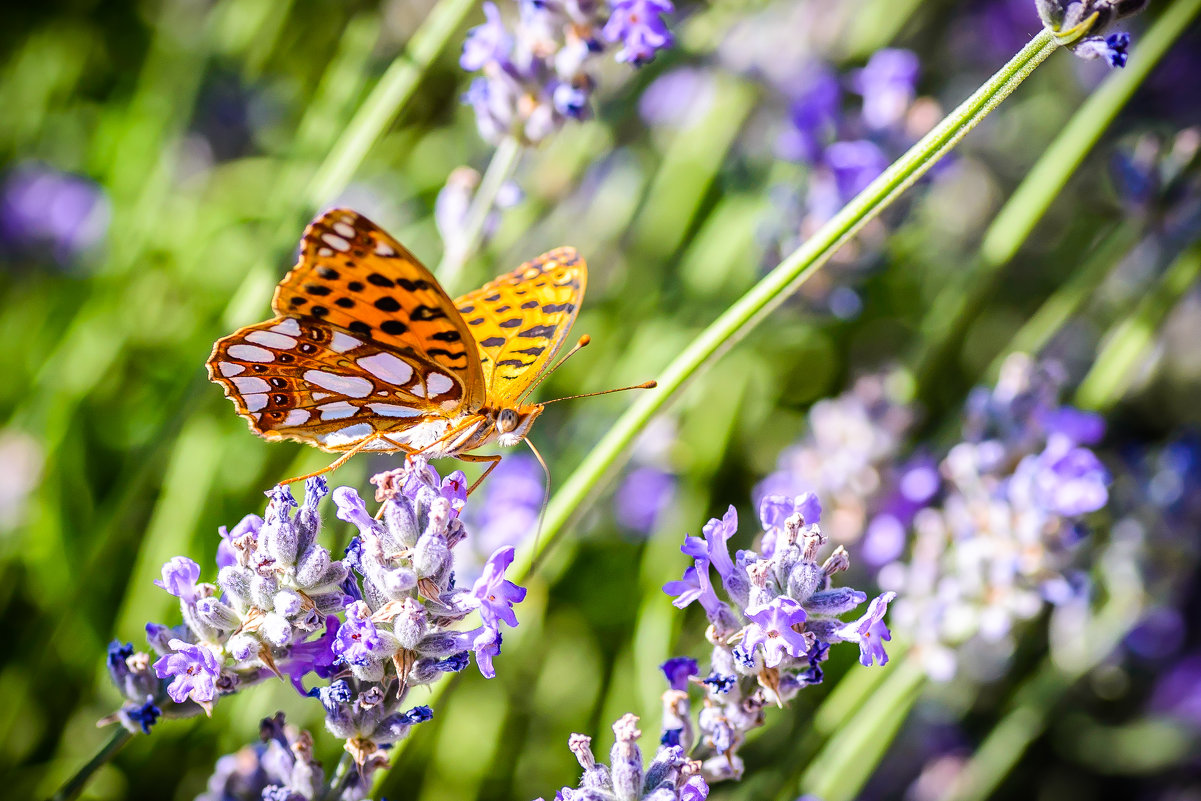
<point x="513" y="425"/>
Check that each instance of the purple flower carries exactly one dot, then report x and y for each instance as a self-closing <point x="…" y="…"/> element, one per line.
<point x="44" y="208"/>
<point x="1065" y="480"/>
<point x="639" y="26"/>
<point x="141" y="716"/>
<point x="717" y="532"/>
<point x="1113" y="48"/>
<point x="193" y="669"/>
<point x="487" y="646"/>
<point x="887" y="84"/>
<point x="358" y="641"/>
<point x="179" y="578"/>
<point x="494" y="593"/>
<point x="678" y="669"/>
<point x="642" y="497"/>
<point x="870" y="631"/>
<point x="854" y="165"/>
<point x="509" y="509"/>
<point x="677" y="99"/>
<point x="490" y="42"/>
<point x="814" y="114"/>
<point x="772" y="628"/>
<point x="226" y="552"/>
<point x="686" y="589"/>
<point x="315" y="656"/>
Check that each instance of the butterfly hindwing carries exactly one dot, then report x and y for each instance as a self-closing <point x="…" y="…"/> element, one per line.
<point x="355" y="277"/>
<point x="521" y="320"/>
<point x="304" y="379"/>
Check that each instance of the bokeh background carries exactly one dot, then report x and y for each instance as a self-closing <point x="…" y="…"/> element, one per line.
<point x="159" y="159"/>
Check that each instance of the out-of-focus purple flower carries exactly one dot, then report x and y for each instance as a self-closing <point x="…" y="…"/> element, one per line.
<point x="814" y="112"/>
<point x="1178" y="692"/>
<point x="44" y="209"/>
<point x="870" y="631"/>
<point x="1159" y="634"/>
<point x="678" y="670"/>
<point x="495" y="594"/>
<point x="678" y="98"/>
<point x="193" y="670"/>
<point x="488" y="42"/>
<point x="1064" y="479"/>
<point x="639" y="26"/>
<point x="642" y="497"/>
<point x="772" y="628"/>
<point x="888" y="85"/>
<point x="854" y="165"/>
<point x="1081" y="427"/>
<point x="508" y="511"/>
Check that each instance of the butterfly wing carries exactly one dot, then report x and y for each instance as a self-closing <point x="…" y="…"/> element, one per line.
<point x="355" y="277"/>
<point x="520" y="320"/>
<point x="304" y="379"/>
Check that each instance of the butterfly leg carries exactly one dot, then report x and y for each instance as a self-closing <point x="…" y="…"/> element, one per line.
<point x="341" y="460"/>
<point x="471" y="457"/>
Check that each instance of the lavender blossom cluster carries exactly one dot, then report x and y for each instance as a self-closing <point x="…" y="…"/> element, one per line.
<point x="537" y="76"/>
<point x="771" y="633"/>
<point x="993" y="539"/>
<point x="369" y="627"/>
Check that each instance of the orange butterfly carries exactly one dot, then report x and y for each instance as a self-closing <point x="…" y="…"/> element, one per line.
<point x="368" y="353"/>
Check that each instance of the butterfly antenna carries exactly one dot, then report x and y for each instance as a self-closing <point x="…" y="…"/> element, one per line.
<point x="583" y="343"/>
<point x="545" y="501"/>
<point x="644" y="385"/>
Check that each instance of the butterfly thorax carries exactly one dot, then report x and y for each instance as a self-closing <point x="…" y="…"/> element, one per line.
<point x="507" y="427"/>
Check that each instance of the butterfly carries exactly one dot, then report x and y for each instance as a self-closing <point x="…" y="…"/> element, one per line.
<point x="368" y="353"/>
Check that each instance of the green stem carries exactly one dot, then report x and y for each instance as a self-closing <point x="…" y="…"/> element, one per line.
<point x="839" y="771"/>
<point x="782" y="281"/>
<point x="456" y="253"/>
<point x="339" y="783"/>
<point x="956" y="306"/>
<point x="1127" y="346"/>
<point x="386" y="100"/>
<point x="76" y="783"/>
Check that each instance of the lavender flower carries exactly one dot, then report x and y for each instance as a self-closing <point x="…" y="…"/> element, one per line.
<point x="538" y="76"/>
<point x="639" y="26"/>
<point x="642" y="498"/>
<point x="771" y="634"/>
<point x="282" y="766"/>
<point x="44" y="211"/>
<point x="669" y="776"/>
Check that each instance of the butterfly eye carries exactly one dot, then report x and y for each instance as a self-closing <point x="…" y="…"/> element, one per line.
<point x="507" y="421"/>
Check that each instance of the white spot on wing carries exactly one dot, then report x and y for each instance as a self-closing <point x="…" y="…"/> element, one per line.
<point x="250" y="353"/>
<point x="348" y="435"/>
<point x="392" y="410"/>
<point x="438" y="384"/>
<point x="350" y="385"/>
<point x="384" y="249"/>
<point x="296" y="417"/>
<point x="387" y="367"/>
<point x="337" y="411"/>
<point x="228" y="369"/>
<point x="254" y="402"/>
<point x="289" y="326"/>
<point x="324" y="253"/>
<point x="336" y="242"/>
<point x="320" y="395"/>
<point x="344" y="229"/>
<point x="248" y="383"/>
<point x="342" y="342"/>
<point x="271" y="340"/>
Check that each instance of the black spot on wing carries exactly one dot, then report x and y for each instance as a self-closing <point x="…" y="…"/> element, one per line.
<point x="530" y="304"/>
<point x="537" y="332"/>
<point x="387" y="303"/>
<point x="514" y="363"/>
<point x="516" y="321"/>
<point x="380" y="280"/>
<point x="493" y="342"/>
<point x="359" y="327"/>
<point x="552" y="308"/>
<point x="328" y="273"/>
<point x="446" y="336"/>
<point x="446" y="354"/>
<point x="355" y="286"/>
<point x="317" y="289"/>
<point x="394" y="327"/>
<point x="533" y="351"/>
<point x="412" y="285"/>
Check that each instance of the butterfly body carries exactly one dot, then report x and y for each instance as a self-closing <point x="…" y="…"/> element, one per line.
<point x="368" y="353"/>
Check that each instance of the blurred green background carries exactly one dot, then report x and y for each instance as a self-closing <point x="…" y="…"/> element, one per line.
<point x="198" y="138"/>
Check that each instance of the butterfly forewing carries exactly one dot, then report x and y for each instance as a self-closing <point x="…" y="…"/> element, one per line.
<point x="354" y="276"/>
<point x="521" y="319"/>
<point x="307" y="380"/>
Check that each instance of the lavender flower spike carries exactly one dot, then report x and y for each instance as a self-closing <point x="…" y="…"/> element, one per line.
<point x="639" y="26"/>
<point x="772" y="628"/>
<point x="194" y="671"/>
